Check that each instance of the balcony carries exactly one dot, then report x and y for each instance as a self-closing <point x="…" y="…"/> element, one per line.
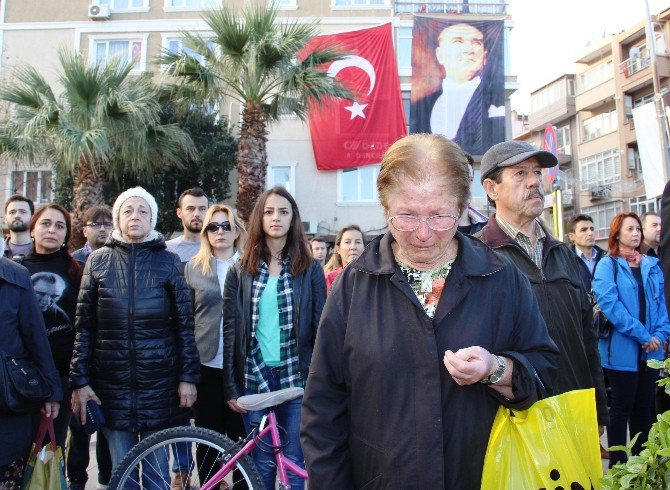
<point x="596" y="95"/>
<point x="633" y="65"/>
<point x="599" y="192"/>
<point x="454" y="7"/>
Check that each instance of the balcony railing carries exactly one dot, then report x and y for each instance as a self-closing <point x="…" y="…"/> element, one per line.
<point x="633" y="65"/>
<point x="453" y="7"/>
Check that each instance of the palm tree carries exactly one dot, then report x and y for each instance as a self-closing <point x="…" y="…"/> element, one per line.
<point x="103" y="124"/>
<point x="256" y="60"/>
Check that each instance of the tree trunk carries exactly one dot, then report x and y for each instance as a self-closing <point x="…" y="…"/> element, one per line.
<point x="252" y="160"/>
<point x="87" y="192"/>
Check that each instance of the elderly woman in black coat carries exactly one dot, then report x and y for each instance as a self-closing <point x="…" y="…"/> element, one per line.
<point x="22" y="334"/>
<point x="422" y="338"/>
<point x="135" y="351"/>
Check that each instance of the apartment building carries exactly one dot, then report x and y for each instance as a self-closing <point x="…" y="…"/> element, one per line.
<point x="31" y="31"/>
<point x="592" y="112"/>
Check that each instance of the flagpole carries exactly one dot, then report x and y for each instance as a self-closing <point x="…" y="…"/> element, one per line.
<point x="658" y="101"/>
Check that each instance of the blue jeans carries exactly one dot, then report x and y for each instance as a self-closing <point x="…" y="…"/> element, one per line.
<point x="155" y="470"/>
<point x="288" y="416"/>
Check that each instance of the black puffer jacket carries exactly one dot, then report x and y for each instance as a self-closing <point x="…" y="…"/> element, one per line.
<point x="135" y="339"/>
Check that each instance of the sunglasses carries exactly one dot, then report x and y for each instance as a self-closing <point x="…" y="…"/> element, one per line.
<point x="213" y="227"/>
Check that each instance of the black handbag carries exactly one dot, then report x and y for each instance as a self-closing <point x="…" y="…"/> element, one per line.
<point x="22" y="386"/>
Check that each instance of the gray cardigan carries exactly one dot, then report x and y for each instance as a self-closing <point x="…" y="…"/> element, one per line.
<point x="207" y="308"/>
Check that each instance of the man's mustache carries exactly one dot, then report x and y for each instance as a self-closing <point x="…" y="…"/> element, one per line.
<point x="532" y="193"/>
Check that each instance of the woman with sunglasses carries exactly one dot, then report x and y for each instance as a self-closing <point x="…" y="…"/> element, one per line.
<point x="220" y="238"/>
<point x="272" y="306"/>
<point x="55" y="276"/>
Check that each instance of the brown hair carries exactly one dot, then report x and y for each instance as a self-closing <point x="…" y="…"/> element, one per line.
<point x="256" y="248"/>
<point x="335" y="261"/>
<point x="615" y="229"/>
<point x="201" y="260"/>
<point x="94" y="213"/>
<point x="420" y="157"/>
<point x="74" y="269"/>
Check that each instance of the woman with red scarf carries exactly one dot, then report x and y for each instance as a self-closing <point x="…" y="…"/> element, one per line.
<point x="632" y="299"/>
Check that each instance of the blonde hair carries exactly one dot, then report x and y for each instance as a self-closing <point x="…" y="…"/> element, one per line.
<point x="418" y="158"/>
<point x="202" y="260"/>
<point x="335" y="261"/>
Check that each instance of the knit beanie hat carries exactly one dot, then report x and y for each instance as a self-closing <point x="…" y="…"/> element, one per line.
<point x="135" y="192"/>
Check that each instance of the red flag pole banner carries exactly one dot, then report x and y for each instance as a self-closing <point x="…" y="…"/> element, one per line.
<point x="458" y="81"/>
<point x="348" y="134"/>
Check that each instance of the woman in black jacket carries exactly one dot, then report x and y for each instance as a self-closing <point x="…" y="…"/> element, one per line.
<point x="55" y="276"/>
<point x="135" y="353"/>
<point x="22" y="334"/>
<point x="272" y="305"/>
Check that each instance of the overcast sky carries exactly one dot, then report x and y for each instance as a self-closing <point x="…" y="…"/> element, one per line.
<point x="548" y="36"/>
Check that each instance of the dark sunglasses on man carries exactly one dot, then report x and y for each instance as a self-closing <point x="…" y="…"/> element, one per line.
<point x="213" y="227"/>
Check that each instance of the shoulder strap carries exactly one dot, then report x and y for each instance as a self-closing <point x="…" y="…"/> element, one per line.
<point x="616" y="267"/>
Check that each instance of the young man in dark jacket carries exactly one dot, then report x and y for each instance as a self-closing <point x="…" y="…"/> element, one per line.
<point x="511" y="174"/>
<point x="583" y="243"/>
<point x="135" y="352"/>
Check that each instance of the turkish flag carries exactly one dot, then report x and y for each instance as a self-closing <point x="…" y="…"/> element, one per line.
<point x="346" y="133"/>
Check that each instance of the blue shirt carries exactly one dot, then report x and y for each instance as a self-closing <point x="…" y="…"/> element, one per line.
<point x="267" y="331"/>
<point x="590" y="263"/>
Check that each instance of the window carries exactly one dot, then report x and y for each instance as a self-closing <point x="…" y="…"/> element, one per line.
<point x="599" y="125"/>
<point x="404" y="50"/>
<point x="190" y="4"/>
<point x="132" y="50"/>
<point x="125" y="5"/>
<point x="478" y="200"/>
<point x="645" y="99"/>
<point x="595" y="76"/>
<point x="406" y="105"/>
<point x="563" y="140"/>
<point x="640" y="205"/>
<point x="176" y="45"/>
<point x="358" y="185"/>
<point x="359" y="3"/>
<point x="35" y="185"/>
<point x="283" y="175"/>
<point x="600" y="169"/>
<point x="554" y="92"/>
<point x="286" y="4"/>
<point x="602" y="215"/>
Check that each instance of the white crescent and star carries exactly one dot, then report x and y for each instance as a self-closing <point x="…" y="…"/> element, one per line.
<point x="356" y="109"/>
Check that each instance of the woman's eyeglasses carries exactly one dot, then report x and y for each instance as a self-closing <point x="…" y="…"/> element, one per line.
<point x="213" y="227"/>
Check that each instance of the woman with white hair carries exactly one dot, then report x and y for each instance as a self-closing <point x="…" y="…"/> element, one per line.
<point x="135" y="352"/>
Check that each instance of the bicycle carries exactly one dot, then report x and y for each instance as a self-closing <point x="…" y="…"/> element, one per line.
<point x="231" y="461"/>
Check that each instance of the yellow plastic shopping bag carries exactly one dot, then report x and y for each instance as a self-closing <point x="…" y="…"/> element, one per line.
<point x="553" y="444"/>
<point x="45" y="468"/>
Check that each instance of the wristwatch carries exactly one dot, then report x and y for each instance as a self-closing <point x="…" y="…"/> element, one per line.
<point x="496" y="375"/>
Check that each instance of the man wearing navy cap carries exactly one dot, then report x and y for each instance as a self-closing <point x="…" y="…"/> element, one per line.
<point x="511" y="173"/>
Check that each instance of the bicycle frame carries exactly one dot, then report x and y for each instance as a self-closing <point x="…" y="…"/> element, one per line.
<point x="284" y="465"/>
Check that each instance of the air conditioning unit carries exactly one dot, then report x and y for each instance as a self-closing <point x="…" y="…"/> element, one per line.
<point x="311" y="226"/>
<point x="98" y="12"/>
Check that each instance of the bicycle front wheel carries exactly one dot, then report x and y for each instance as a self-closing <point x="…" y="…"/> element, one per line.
<point x="195" y="452"/>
